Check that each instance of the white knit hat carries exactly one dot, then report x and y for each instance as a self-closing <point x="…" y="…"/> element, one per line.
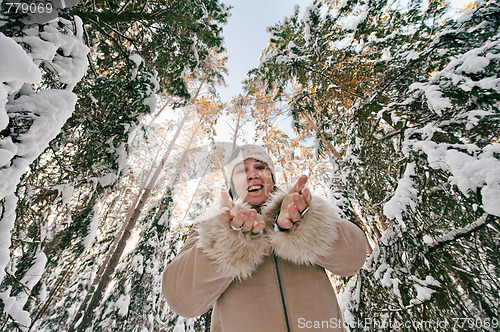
<point x="241" y="153"/>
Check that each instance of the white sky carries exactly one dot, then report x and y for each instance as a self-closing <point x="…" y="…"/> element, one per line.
<point x="245" y="36"/>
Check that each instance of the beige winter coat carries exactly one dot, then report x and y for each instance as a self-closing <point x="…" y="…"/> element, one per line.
<point x="272" y="282"/>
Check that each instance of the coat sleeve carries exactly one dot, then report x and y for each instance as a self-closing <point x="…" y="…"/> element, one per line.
<point x="191" y="283"/>
<point x="213" y="256"/>
<point x="321" y="238"/>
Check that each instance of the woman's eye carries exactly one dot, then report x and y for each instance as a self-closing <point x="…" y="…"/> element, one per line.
<point x="260" y="168"/>
<point x="242" y="171"/>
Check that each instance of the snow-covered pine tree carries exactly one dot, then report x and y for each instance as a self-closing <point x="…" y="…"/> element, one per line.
<point x="41" y="65"/>
<point x="439" y="253"/>
<point x="410" y="98"/>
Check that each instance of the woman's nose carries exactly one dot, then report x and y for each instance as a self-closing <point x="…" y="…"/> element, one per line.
<point x="252" y="174"/>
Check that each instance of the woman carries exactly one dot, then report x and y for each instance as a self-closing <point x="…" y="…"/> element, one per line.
<point x="259" y="256"/>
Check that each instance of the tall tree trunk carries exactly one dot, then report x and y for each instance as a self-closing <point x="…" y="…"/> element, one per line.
<point x="329" y="147"/>
<point x="53" y="293"/>
<point x="235" y="137"/>
<point x="86" y="311"/>
<point x="194" y="194"/>
<point x="161" y="109"/>
<point x="182" y="161"/>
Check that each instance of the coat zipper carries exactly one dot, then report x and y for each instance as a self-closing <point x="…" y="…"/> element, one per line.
<point x="281" y="293"/>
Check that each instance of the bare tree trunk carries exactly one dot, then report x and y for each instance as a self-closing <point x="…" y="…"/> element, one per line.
<point x="53" y="293"/>
<point x="329" y="147"/>
<point x="183" y="159"/>
<point x="92" y="300"/>
<point x="162" y="109"/>
<point x="194" y="194"/>
<point x="236" y="129"/>
<point x="235" y="136"/>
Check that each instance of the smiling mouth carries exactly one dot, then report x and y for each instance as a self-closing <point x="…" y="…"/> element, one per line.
<point x="254" y="188"/>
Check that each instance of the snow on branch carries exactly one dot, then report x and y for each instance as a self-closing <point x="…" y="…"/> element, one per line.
<point x="456" y="234"/>
<point x="62" y="49"/>
<point x="468" y="172"/>
<point x="404" y="196"/>
<point x="15" y="311"/>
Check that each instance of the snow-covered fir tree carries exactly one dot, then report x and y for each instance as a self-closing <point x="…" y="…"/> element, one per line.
<point x="34" y="108"/>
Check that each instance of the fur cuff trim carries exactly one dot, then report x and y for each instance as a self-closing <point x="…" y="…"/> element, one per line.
<point x="236" y="254"/>
<point x="309" y="239"/>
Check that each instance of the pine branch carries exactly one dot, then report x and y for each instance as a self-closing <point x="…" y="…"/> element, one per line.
<point x="457" y="234"/>
<point x="124" y="6"/>
<point x="329" y="78"/>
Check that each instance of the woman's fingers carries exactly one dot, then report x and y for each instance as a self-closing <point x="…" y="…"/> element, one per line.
<point x="306" y="194"/>
<point x="225" y="200"/>
<point x="300" y="195"/>
<point x="226" y="214"/>
<point x="258" y="226"/>
<point x="293" y="212"/>
<point x="289" y="216"/>
<point x="245" y="219"/>
<point x="239" y="218"/>
<point x="226" y="205"/>
<point x="294" y="204"/>
<point x="299" y="185"/>
<point x="249" y="220"/>
<point x="301" y="203"/>
<point x="285" y="223"/>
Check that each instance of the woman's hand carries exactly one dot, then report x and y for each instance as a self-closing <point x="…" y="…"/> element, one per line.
<point x="245" y="220"/>
<point x="294" y="204"/>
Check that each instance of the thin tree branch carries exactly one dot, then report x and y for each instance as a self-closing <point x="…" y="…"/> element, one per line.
<point x="454" y="235"/>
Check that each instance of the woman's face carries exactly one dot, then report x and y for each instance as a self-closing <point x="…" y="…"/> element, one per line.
<point x="253" y="181"/>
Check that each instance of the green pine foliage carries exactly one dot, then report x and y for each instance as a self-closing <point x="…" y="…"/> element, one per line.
<point x="173" y="37"/>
